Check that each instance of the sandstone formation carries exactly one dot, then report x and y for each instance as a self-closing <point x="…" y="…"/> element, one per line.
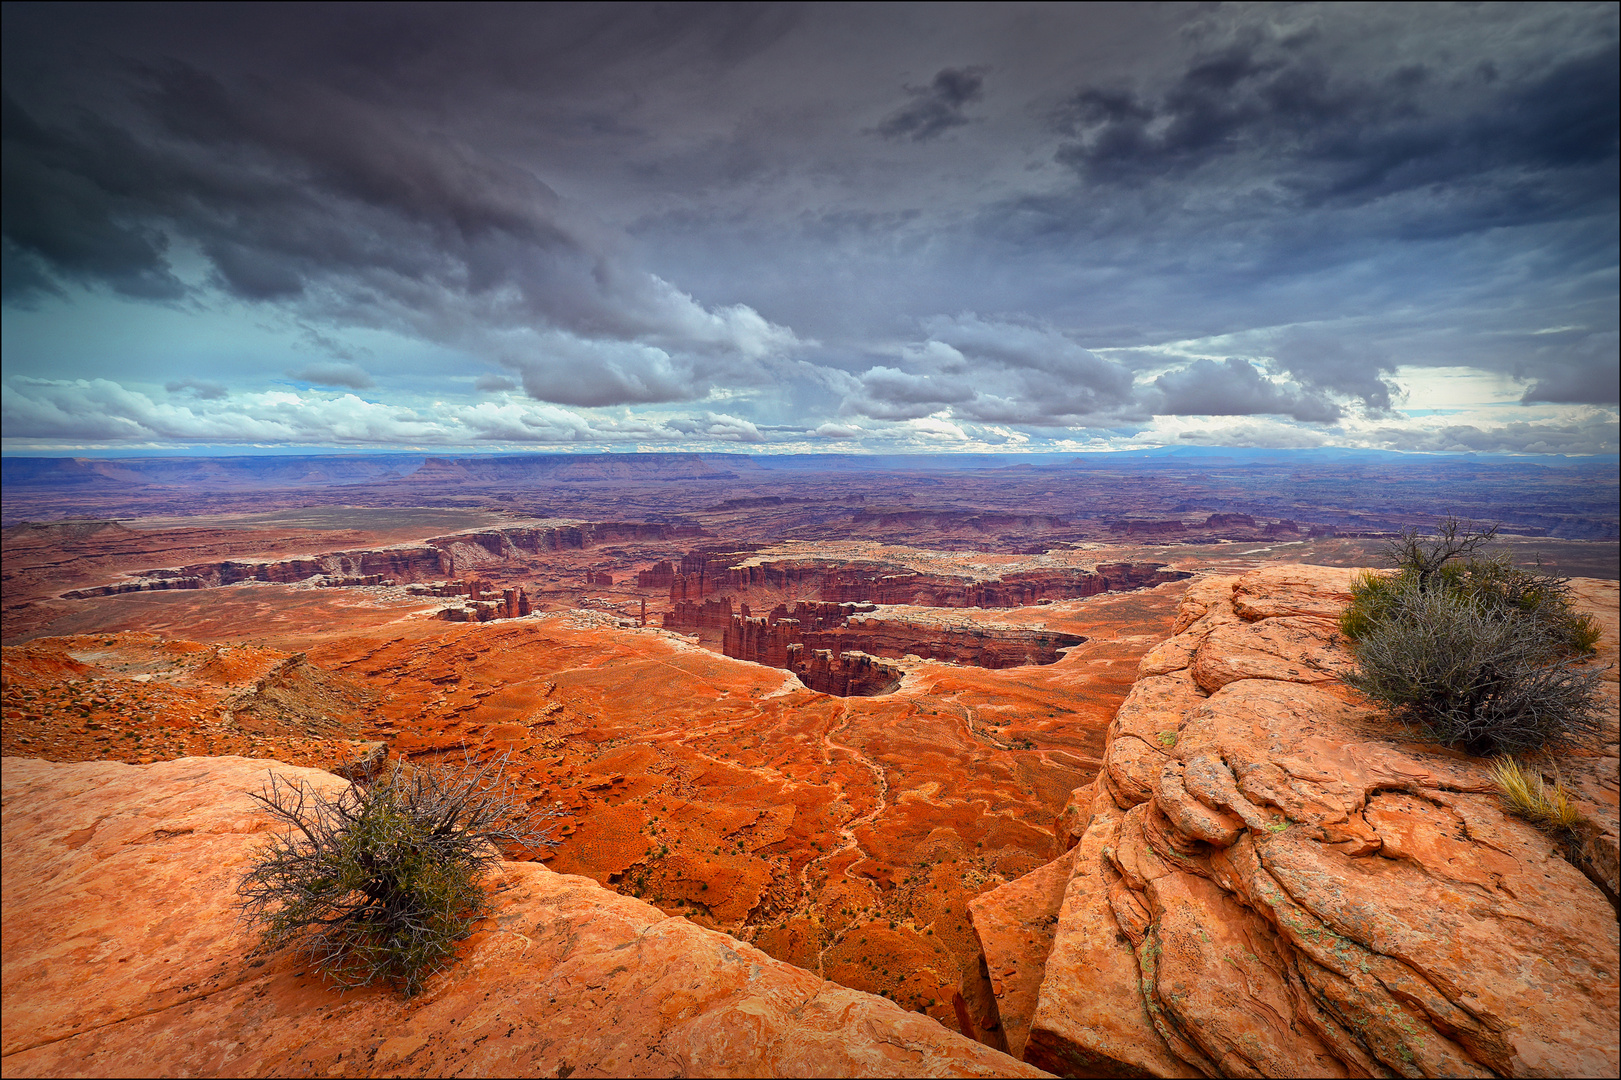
<point x="483" y="605"/>
<point x="435" y="557"/>
<point x="761" y="640"/>
<point x="1267" y="881"/>
<point x="123" y="956"/>
<point x="845" y="835"/>
<point x="710" y="573"/>
<point x="794" y="637"/>
<point x="851" y="673"/>
<point x="404" y="562"/>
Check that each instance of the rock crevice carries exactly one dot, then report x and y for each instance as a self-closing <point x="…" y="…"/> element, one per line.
<point x="1264" y="881"/>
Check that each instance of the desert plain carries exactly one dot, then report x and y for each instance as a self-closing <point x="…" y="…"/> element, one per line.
<point x="819" y="705"/>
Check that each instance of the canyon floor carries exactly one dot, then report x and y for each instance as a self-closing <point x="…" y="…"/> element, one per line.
<point x="846" y="835"/>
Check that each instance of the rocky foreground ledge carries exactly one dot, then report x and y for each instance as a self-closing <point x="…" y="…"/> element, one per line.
<point x="123" y="957"/>
<point x="1265" y="881"/>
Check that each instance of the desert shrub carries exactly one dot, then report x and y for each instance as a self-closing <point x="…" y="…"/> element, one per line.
<point x="1528" y="594"/>
<point x="1498" y="588"/>
<point x="1475" y="653"/>
<point x="1373" y="599"/>
<point x="379" y="883"/>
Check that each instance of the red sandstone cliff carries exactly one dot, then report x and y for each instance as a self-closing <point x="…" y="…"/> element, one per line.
<point x="123" y="956"/>
<point x="1265" y="881"/>
<point x="766" y="640"/>
<point x="706" y="573"/>
<point x="436" y="557"/>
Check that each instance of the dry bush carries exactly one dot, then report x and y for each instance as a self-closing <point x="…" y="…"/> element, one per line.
<point x="379" y="883"/>
<point x="1445" y="664"/>
<point x="1473" y="652"/>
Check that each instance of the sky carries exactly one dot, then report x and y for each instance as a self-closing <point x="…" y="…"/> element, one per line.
<point x="810" y="228"/>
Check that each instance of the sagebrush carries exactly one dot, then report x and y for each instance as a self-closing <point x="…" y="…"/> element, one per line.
<point x="1471" y="650"/>
<point x="379" y="882"/>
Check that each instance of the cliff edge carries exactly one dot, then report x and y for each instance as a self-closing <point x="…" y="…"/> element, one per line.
<point x="1264" y="880"/>
<point x="123" y="957"/>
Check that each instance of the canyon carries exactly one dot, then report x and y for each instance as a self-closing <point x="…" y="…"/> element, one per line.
<point x="863" y="727"/>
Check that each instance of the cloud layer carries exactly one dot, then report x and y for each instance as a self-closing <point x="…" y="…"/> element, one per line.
<point x="785" y="227"/>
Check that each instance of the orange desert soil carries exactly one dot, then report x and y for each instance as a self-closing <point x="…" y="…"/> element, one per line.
<point x="844" y="835"/>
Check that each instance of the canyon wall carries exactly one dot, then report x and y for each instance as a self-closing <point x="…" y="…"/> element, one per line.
<point x="436" y="557"/>
<point x="1266" y="880"/>
<point x="792" y="637"/>
<point x="124" y="956"/>
<point x="765" y="640"/>
<point x="845" y="674"/>
<point x="705" y="573"/>
<point x="483" y="604"/>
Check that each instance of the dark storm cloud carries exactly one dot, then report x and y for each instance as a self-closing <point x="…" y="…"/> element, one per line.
<point x="305" y="195"/>
<point x="646" y="205"/>
<point x="1326" y="361"/>
<point x="1270" y="159"/>
<point x="996" y="372"/>
<point x="58" y="216"/>
<point x="1236" y="388"/>
<point x="1585" y="368"/>
<point x="351" y="376"/>
<point x="204" y="389"/>
<point x="1316" y="135"/>
<point x="936" y="108"/>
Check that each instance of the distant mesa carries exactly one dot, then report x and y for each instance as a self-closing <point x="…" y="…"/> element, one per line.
<point x="956" y="520"/>
<point x="582" y="468"/>
<point x="711" y="573"/>
<point x="62" y="532"/>
<point x="1218" y="526"/>
<point x="119" y="475"/>
<point x="434" y="559"/>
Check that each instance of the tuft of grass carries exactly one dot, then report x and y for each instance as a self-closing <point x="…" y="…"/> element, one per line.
<point x="1527" y="795"/>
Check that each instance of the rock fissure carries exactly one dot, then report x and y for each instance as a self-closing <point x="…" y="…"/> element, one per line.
<point x="1230" y="916"/>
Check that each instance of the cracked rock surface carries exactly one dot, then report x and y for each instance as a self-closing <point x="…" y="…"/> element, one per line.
<point x="1265" y="880"/>
<point x="123" y="956"/>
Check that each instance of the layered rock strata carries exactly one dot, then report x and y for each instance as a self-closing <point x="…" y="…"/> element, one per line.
<point x="482" y="602"/>
<point x="124" y="956"/>
<point x="436" y="557"/>
<point x="766" y="640"/>
<point x="1216" y="526"/>
<point x="845" y="674"/>
<point x="1265" y="880"/>
<point x="710" y="573"/>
